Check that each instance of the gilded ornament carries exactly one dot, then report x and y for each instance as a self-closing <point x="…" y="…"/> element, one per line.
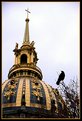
<point x="10" y="90"/>
<point x="9" y="93"/>
<point x="37" y="90"/>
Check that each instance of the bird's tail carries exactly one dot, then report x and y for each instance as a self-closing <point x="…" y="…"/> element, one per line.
<point x="58" y="82"/>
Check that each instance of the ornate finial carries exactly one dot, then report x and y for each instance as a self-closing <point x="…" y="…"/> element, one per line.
<point x="27" y="12"/>
<point x="16" y="47"/>
<point x="32" y="43"/>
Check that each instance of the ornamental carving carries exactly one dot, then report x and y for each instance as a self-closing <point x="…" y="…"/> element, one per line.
<point x="37" y="90"/>
<point x="8" y="94"/>
<point x="10" y="89"/>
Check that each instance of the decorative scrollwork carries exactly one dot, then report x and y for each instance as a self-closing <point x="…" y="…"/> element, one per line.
<point x="37" y="90"/>
<point x="11" y="86"/>
<point x="9" y="93"/>
<point x="10" y="89"/>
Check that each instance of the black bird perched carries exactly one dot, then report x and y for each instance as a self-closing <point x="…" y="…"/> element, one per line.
<point x="61" y="77"/>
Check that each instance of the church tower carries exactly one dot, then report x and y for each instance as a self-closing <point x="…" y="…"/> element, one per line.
<point x="24" y="93"/>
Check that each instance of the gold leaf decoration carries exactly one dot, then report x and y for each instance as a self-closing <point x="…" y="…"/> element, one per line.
<point x="10" y="90"/>
<point x="36" y="90"/>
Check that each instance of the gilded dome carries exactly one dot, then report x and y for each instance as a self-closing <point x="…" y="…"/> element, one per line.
<point x="31" y="97"/>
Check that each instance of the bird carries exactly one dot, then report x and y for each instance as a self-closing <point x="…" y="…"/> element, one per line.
<point x="61" y="77"/>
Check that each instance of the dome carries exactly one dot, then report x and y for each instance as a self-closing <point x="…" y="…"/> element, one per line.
<point x="31" y="97"/>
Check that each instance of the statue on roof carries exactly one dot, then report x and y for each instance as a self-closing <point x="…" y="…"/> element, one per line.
<point x="16" y="47"/>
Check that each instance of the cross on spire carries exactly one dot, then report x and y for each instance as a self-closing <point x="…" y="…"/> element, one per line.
<point x="27" y="10"/>
<point x="26" y="35"/>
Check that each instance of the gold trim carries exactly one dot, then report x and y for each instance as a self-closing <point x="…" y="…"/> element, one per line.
<point x="48" y="100"/>
<point x="29" y="58"/>
<point x="31" y="105"/>
<point x="8" y="105"/>
<point x="37" y="105"/>
<point x="4" y="84"/>
<point x="27" y="92"/>
<point x="53" y="96"/>
<point x="32" y="57"/>
<point x="19" y="93"/>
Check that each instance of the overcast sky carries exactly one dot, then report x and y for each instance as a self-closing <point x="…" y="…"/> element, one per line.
<point x="54" y="26"/>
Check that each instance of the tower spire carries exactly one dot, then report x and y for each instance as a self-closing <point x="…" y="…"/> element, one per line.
<point x="26" y="35"/>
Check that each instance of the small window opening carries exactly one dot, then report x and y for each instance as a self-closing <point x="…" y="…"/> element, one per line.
<point x="23" y="59"/>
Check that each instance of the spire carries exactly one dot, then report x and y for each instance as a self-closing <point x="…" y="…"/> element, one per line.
<point x="26" y="35"/>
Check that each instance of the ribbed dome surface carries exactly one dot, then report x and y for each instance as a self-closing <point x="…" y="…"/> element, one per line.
<point x="31" y="97"/>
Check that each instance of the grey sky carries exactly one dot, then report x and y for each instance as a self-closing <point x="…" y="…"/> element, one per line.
<point x="54" y="26"/>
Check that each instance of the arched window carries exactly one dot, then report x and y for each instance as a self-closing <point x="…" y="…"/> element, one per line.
<point x="23" y="59"/>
